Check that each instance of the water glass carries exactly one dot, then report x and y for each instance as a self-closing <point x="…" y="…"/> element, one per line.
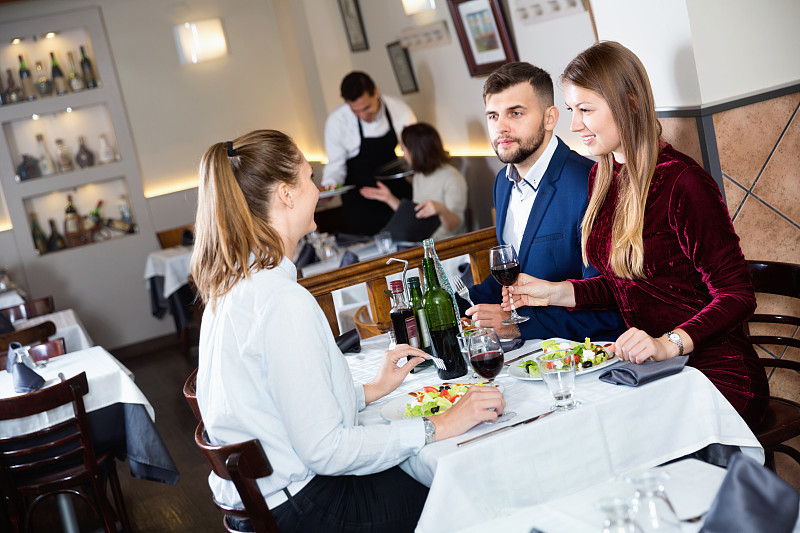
<point x="383" y="241"/>
<point x="558" y="372"/>
<point x="463" y="344"/>
<point x="618" y="516"/>
<point x="650" y="507"/>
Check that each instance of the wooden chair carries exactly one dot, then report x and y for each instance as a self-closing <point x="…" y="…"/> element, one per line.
<point x="33" y="335"/>
<point x="190" y="393"/>
<point x="364" y="325"/>
<point x="173" y="237"/>
<point x="62" y="460"/>
<point x="782" y="421"/>
<point x="29" y="309"/>
<point x="41" y="352"/>
<point x="243" y="463"/>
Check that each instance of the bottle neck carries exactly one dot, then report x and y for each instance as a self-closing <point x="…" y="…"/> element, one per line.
<point x="398" y="300"/>
<point x="429" y="269"/>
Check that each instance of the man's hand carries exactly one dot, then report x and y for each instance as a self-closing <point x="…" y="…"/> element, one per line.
<point x="491" y="316"/>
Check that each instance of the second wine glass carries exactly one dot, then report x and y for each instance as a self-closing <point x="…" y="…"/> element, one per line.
<point x="486" y="357"/>
<point x="505" y="269"/>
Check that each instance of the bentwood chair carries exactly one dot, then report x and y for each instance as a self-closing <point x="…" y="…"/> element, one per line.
<point x="29" y="309"/>
<point x="59" y="459"/>
<point x="364" y="325"/>
<point x="243" y="463"/>
<point x="32" y="335"/>
<point x="41" y="352"/>
<point x="190" y="393"/>
<point x="173" y="237"/>
<point x="782" y="421"/>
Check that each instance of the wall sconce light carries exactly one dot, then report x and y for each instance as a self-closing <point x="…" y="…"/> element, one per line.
<point x="200" y="41"/>
<point x="412" y="7"/>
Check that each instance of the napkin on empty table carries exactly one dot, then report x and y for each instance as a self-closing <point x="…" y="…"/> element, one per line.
<point x="633" y="375"/>
<point x="349" y="258"/>
<point x="18" y="365"/>
<point x="349" y="341"/>
<point x="753" y="499"/>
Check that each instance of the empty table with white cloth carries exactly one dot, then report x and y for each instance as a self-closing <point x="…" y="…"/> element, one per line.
<point x="10" y="298"/>
<point x="616" y="430"/>
<point x="68" y="326"/>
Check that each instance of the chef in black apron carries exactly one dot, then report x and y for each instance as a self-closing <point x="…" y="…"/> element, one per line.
<point x="363" y="216"/>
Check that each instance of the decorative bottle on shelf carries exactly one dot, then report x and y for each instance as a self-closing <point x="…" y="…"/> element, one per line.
<point x="64" y="161"/>
<point x="121" y="225"/>
<point x="46" y="165"/>
<point x="106" y="154"/>
<point x="75" y="78"/>
<point x="84" y="158"/>
<point x="39" y="240"/>
<point x="95" y="215"/>
<point x="404" y="324"/>
<point x="72" y="222"/>
<point x="56" y="241"/>
<point x="88" y="72"/>
<point x="415" y="292"/>
<point x="28" y="168"/>
<point x="124" y="209"/>
<point x="13" y="92"/>
<point x="59" y="82"/>
<point x="43" y="86"/>
<point x="28" y="91"/>
<point x="442" y="322"/>
<point x="2" y="93"/>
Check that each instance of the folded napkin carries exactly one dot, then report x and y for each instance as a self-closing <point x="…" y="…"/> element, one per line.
<point x="21" y="367"/>
<point x="753" y="499"/>
<point x="348" y="258"/>
<point x="349" y="341"/>
<point x="511" y="344"/>
<point x="343" y="240"/>
<point x="633" y="375"/>
<point x="187" y="238"/>
<point x="306" y="256"/>
<point x="5" y="325"/>
<point x="405" y="226"/>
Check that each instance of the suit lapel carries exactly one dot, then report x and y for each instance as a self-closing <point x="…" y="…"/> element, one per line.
<point x="547" y="189"/>
<point x="503" y="195"/>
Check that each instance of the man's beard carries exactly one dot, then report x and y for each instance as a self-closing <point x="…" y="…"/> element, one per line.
<point x="527" y="147"/>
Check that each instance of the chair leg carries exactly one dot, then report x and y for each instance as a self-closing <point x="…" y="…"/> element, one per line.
<point x="786" y="450"/>
<point x="119" y="501"/>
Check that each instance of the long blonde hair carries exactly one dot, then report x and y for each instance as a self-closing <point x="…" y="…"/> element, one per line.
<point x="618" y="76"/>
<point x="237" y="180"/>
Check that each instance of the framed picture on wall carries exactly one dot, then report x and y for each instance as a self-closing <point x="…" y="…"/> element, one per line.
<point x="401" y="64"/>
<point x="483" y="33"/>
<point x="353" y="25"/>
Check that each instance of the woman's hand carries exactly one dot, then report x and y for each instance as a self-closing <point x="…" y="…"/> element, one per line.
<point x="538" y="292"/>
<point x="479" y="404"/>
<point x="380" y="193"/>
<point x="637" y="346"/>
<point x="429" y="208"/>
<point x="389" y="375"/>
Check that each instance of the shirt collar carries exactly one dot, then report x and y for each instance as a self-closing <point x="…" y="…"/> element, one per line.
<point x="534" y="176"/>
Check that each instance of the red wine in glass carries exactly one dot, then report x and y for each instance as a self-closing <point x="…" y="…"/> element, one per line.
<point x="487" y="364"/>
<point x="505" y="269"/>
<point x="506" y="274"/>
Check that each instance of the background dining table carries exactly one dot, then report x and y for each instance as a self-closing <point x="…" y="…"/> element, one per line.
<point x="615" y="430"/>
<point x="166" y="275"/>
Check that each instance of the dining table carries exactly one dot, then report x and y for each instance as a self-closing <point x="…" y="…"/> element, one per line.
<point x="166" y="275"/>
<point x="10" y="298"/>
<point x="614" y="431"/>
<point x="68" y="326"/>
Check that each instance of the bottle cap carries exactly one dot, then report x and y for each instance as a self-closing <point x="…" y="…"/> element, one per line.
<point x="414" y="280"/>
<point x="396" y="286"/>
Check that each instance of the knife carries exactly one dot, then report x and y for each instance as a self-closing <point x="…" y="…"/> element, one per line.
<point x="498" y="430"/>
<point x="523" y="355"/>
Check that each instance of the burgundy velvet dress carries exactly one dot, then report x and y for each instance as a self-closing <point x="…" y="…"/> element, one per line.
<point x="696" y="278"/>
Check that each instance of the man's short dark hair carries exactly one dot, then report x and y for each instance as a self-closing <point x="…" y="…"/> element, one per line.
<point x="355" y="84"/>
<point x="517" y="72"/>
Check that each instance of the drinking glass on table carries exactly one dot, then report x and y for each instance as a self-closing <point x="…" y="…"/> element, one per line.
<point x="486" y="358"/>
<point x="505" y="269"/>
<point x="557" y="369"/>
<point x="650" y="507"/>
<point x="618" y="516"/>
<point x="383" y="241"/>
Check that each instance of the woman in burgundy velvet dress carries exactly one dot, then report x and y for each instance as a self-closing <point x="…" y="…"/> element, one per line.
<point x="659" y="232"/>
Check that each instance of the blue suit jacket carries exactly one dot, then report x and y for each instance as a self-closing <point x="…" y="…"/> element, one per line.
<point x="551" y="250"/>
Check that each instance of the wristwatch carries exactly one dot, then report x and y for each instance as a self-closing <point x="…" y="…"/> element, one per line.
<point x="675" y="339"/>
<point x="430" y="430"/>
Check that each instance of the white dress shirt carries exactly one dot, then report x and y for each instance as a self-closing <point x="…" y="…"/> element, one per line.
<point x="523" y="194"/>
<point x="341" y="134"/>
<point x="270" y="369"/>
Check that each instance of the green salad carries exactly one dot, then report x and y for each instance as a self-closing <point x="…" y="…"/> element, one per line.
<point x="433" y="400"/>
<point x="586" y="355"/>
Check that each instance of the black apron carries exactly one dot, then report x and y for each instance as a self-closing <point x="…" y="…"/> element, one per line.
<point x="363" y="216"/>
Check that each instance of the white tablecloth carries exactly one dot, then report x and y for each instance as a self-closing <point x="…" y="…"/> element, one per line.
<point x="616" y="430"/>
<point x="10" y="298"/>
<point x="68" y="326"/>
<point x="108" y="384"/>
<point x="172" y="264"/>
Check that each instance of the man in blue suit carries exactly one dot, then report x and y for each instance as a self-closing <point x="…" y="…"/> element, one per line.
<point x="539" y="198"/>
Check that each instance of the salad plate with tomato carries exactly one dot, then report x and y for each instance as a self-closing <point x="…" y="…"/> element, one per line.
<point x="427" y="401"/>
<point x="589" y="357"/>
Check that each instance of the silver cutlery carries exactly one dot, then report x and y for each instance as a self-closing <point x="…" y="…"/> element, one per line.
<point x="534" y="352"/>
<point x="462" y="290"/>
<point x="438" y="361"/>
<point x="504" y="428"/>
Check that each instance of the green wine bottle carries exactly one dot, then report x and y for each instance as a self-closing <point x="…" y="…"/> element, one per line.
<point x="39" y="239"/>
<point x="28" y="91"/>
<point x="418" y="306"/>
<point x="442" y="322"/>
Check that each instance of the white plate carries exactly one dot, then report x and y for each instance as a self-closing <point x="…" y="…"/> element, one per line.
<point x="336" y="192"/>
<point x="519" y="372"/>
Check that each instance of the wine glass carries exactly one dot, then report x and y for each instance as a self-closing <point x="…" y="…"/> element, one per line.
<point x="650" y="507"/>
<point x="618" y="516"/>
<point x="486" y="358"/>
<point x="558" y="372"/>
<point x="505" y="269"/>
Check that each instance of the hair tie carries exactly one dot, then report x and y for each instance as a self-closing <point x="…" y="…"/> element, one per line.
<point x="231" y="149"/>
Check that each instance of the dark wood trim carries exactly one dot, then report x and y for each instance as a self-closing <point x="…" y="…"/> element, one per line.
<point x="733" y="103"/>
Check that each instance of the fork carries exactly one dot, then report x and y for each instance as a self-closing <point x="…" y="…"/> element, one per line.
<point x="438" y="361"/>
<point x="462" y="290"/>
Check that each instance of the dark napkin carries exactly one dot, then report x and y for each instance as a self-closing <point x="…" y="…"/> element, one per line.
<point x="633" y="375"/>
<point x="25" y="378"/>
<point x="348" y="258"/>
<point x="5" y="325"/>
<point x="306" y="256"/>
<point x="405" y="226"/>
<point x="349" y="341"/>
<point x="187" y="238"/>
<point x="343" y="240"/>
<point x="511" y="344"/>
<point x="753" y="499"/>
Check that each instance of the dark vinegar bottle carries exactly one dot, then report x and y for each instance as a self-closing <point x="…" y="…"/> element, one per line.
<point x="442" y="322"/>
<point x="403" y="322"/>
